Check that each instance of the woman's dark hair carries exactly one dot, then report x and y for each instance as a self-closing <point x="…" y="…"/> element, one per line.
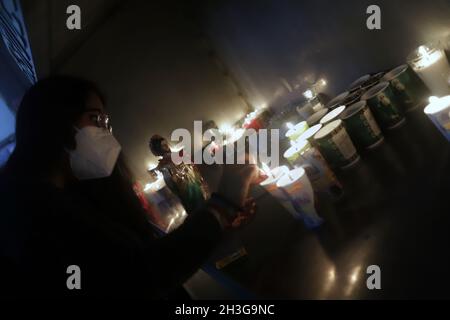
<point x="45" y="122"/>
<point x="45" y="128"/>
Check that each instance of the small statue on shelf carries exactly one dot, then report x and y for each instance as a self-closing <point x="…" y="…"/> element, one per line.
<point x="183" y="180"/>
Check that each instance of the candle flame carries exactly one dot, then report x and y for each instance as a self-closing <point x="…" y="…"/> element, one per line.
<point x="423" y="51"/>
<point x="308" y="94"/>
<point x="428" y="57"/>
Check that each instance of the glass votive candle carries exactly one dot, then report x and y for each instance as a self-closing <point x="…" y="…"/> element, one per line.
<point x="431" y="65"/>
<point x="332" y="115"/>
<point x="438" y="110"/>
<point x="297" y="196"/>
<point x="295" y="132"/>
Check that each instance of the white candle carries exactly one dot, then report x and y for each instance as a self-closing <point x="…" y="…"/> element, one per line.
<point x="319" y="173"/>
<point x="293" y="153"/>
<point x="270" y="184"/>
<point x="297" y="196"/>
<point x="433" y="68"/>
<point x="333" y="114"/>
<point x="310" y="133"/>
<point x="438" y="110"/>
<point x="295" y="131"/>
<point x="152" y="166"/>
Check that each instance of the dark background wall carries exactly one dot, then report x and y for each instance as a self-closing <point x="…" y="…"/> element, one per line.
<point x="153" y="58"/>
<point x="148" y="57"/>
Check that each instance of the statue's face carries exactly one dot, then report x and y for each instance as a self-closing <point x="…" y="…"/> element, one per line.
<point x="165" y="147"/>
<point x="159" y="147"/>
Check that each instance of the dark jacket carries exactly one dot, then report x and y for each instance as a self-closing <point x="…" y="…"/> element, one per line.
<point x="43" y="230"/>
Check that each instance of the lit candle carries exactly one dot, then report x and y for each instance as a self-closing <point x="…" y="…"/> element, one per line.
<point x="270" y="184"/>
<point x="296" y="195"/>
<point x="292" y="154"/>
<point x="333" y="114"/>
<point x="308" y="94"/>
<point x="252" y="120"/>
<point x="320" y="174"/>
<point x="315" y="117"/>
<point x="295" y="131"/>
<point x="431" y="65"/>
<point x="438" y="110"/>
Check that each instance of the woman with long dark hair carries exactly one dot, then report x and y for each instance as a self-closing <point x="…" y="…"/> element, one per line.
<point x="67" y="200"/>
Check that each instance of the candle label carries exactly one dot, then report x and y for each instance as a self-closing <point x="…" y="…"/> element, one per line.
<point x="386" y="108"/>
<point x="369" y="123"/>
<point x="434" y="70"/>
<point x="319" y="173"/>
<point x="344" y="144"/>
<point x="398" y="85"/>
<point x="363" y="129"/>
<point x="409" y="88"/>
<point x="337" y="148"/>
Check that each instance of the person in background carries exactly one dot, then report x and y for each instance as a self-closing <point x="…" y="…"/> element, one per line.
<point x="67" y="200"/>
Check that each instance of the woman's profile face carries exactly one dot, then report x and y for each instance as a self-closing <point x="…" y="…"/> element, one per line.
<point x="94" y="115"/>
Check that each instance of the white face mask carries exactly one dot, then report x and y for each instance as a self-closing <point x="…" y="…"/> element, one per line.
<point x="95" y="155"/>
